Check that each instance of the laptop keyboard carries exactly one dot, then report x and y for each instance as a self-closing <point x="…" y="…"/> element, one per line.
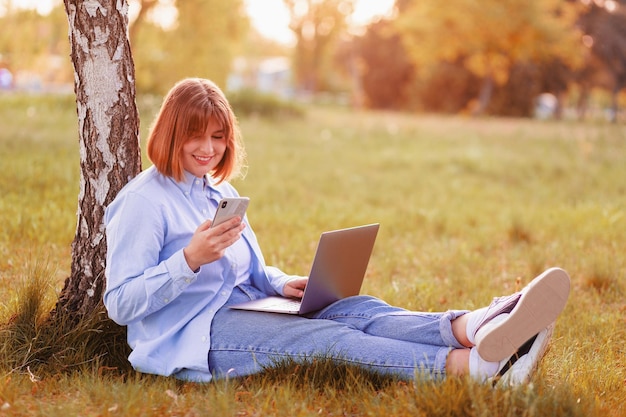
<point x="287" y="303"/>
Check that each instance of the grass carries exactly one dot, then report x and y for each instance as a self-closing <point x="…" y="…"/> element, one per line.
<point x="469" y="209"/>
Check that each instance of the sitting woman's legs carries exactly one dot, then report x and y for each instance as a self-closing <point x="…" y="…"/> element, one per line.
<point x="360" y="330"/>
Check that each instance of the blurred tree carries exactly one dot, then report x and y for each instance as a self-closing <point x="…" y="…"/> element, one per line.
<point x="555" y="77"/>
<point x="202" y="42"/>
<point x="448" y="88"/>
<point x="516" y="97"/>
<point x="108" y="137"/>
<point x="386" y="72"/>
<point x="318" y="26"/>
<point x="604" y="25"/>
<point x="488" y="37"/>
<point x="144" y="7"/>
<point x="21" y="51"/>
<point x="31" y="42"/>
<point x="205" y="39"/>
<point x="390" y="79"/>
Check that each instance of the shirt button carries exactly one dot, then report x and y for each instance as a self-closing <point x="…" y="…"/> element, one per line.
<point x="166" y="300"/>
<point x="223" y="293"/>
<point x="188" y="280"/>
<point x="204" y="338"/>
<point x="197" y="181"/>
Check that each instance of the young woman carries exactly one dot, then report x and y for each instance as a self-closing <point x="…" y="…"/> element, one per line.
<point x="171" y="277"/>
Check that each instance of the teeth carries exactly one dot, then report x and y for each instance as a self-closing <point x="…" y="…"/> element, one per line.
<point x="203" y="158"/>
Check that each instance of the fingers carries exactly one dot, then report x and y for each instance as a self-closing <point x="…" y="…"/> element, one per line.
<point x="295" y="287"/>
<point x="299" y="283"/>
<point x="225" y="226"/>
<point x="224" y="235"/>
<point x="204" y="226"/>
<point x="230" y="230"/>
<point x="231" y="236"/>
<point x="209" y="244"/>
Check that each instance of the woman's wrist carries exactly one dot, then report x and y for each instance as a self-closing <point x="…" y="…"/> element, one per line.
<point x="194" y="266"/>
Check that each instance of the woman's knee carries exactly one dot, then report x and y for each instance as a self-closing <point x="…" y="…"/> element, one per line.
<point x="457" y="363"/>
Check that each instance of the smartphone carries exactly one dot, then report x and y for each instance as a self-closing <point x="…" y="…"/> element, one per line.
<point x="230" y="207"/>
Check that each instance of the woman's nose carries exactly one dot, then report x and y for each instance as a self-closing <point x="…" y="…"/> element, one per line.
<point x="207" y="145"/>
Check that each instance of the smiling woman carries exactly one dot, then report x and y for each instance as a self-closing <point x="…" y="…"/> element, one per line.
<point x="174" y="279"/>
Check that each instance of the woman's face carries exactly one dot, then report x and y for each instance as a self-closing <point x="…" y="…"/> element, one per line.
<point x="202" y="153"/>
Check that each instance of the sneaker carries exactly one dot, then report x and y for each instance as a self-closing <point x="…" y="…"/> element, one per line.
<point x="531" y="310"/>
<point x="520" y="367"/>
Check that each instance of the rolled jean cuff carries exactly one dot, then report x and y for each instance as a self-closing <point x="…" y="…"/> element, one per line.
<point x="445" y="327"/>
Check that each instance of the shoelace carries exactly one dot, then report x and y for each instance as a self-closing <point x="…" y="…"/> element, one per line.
<point x="523" y="350"/>
<point x="509" y="301"/>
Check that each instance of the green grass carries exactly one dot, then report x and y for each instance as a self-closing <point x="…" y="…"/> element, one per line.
<point x="469" y="209"/>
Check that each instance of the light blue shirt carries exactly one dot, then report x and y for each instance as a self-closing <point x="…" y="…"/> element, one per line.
<point x="167" y="307"/>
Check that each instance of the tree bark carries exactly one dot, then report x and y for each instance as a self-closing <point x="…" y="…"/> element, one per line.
<point x="108" y="122"/>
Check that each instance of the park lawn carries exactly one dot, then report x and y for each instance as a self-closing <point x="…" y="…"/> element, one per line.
<point x="470" y="208"/>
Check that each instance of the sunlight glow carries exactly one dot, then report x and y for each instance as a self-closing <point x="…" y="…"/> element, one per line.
<point x="42" y="6"/>
<point x="269" y="17"/>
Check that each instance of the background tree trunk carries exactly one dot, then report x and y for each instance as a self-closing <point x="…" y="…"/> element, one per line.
<point x="484" y="97"/>
<point x="108" y="122"/>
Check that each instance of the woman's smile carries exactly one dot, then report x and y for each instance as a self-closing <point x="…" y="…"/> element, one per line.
<point x="202" y="153"/>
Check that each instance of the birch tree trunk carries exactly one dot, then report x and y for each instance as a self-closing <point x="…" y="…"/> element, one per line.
<point x="108" y="122"/>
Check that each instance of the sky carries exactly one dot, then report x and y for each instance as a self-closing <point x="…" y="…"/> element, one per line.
<point x="269" y="17"/>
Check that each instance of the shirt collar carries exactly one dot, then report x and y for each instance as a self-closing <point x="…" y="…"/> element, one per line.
<point x="192" y="184"/>
<point x="211" y="188"/>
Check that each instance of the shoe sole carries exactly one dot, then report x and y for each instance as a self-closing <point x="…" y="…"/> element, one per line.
<point x="525" y="366"/>
<point x="540" y="304"/>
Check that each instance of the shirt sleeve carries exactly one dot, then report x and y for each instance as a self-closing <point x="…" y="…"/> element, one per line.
<point x="278" y="278"/>
<point x="138" y="281"/>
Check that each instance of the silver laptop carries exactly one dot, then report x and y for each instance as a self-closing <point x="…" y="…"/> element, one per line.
<point x="337" y="272"/>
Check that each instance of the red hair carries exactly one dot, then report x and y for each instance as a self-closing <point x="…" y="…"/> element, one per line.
<point x="185" y="112"/>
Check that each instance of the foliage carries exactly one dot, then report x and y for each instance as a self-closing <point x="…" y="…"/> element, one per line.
<point x="205" y="37"/>
<point x="203" y="43"/>
<point x="248" y="102"/>
<point x="467" y="206"/>
<point x="516" y="98"/>
<point x="387" y="72"/>
<point x="489" y="37"/>
<point x="604" y="26"/>
<point x="318" y="25"/>
<point x="606" y="34"/>
<point x="31" y="41"/>
<point x="427" y="57"/>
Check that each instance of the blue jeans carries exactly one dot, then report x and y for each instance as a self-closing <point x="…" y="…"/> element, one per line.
<point x="359" y="330"/>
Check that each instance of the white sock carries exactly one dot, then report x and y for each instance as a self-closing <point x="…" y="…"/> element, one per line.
<point x="479" y="368"/>
<point x="474" y="319"/>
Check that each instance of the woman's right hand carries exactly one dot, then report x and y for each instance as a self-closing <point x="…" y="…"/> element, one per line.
<point x="209" y="244"/>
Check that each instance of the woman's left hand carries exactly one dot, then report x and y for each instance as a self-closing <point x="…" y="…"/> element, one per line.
<point x="295" y="287"/>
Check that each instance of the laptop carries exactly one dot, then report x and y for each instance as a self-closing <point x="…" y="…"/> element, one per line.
<point x="337" y="272"/>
